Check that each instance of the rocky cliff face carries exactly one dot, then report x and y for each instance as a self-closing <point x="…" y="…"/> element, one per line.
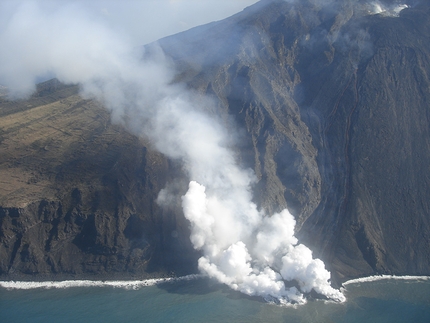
<point x="331" y="104"/>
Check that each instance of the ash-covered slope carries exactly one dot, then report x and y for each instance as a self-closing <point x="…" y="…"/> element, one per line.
<point x="334" y="103"/>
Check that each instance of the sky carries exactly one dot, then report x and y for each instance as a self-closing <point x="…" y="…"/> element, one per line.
<point x="143" y="21"/>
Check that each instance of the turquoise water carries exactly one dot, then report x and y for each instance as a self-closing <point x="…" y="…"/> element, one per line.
<point x="201" y="300"/>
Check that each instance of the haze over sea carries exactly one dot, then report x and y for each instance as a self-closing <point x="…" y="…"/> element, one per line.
<point x="201" y="300"/>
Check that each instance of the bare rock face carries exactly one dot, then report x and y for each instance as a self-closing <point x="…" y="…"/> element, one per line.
<point x="332" y="107"/>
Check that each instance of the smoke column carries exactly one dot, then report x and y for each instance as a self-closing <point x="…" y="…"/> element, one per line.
<point x="242" y="247"/>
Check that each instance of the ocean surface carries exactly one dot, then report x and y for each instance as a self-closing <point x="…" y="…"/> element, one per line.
<point x="201" y="300"/>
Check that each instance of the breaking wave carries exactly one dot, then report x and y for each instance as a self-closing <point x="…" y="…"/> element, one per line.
<point x="126" y="284"/>
<point x="384" y="277"/>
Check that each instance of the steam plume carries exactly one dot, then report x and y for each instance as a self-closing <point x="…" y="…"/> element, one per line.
<point x="242" y="247"/>
<point x="393" y="10"/>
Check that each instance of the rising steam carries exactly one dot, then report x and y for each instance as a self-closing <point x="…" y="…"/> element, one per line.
<point x="393" y="10"/>
<point x="242" y="247"/>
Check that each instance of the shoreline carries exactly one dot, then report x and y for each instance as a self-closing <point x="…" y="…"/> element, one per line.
<point x="126" y="284"/>
<point x="374" y="278"/>
<point x="139" y="283"/>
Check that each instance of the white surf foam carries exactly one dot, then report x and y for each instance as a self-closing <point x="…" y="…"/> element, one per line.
<point x="383" y="277"/>
<point x="126" y="284"/>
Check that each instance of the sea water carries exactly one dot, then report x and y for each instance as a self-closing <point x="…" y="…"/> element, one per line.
<point x="201" y="300"/>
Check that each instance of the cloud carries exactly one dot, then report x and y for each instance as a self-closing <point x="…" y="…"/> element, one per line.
<point x="250" y="251"/>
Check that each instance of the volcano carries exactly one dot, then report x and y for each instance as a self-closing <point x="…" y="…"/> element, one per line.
<point x="330" y="101"/>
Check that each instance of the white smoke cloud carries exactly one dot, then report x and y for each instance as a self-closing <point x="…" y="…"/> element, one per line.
<point x="371" y="7"/>
<point x="250" y="251"/>
<point x="242" y="247"/>
<point x="393" y="10"/>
